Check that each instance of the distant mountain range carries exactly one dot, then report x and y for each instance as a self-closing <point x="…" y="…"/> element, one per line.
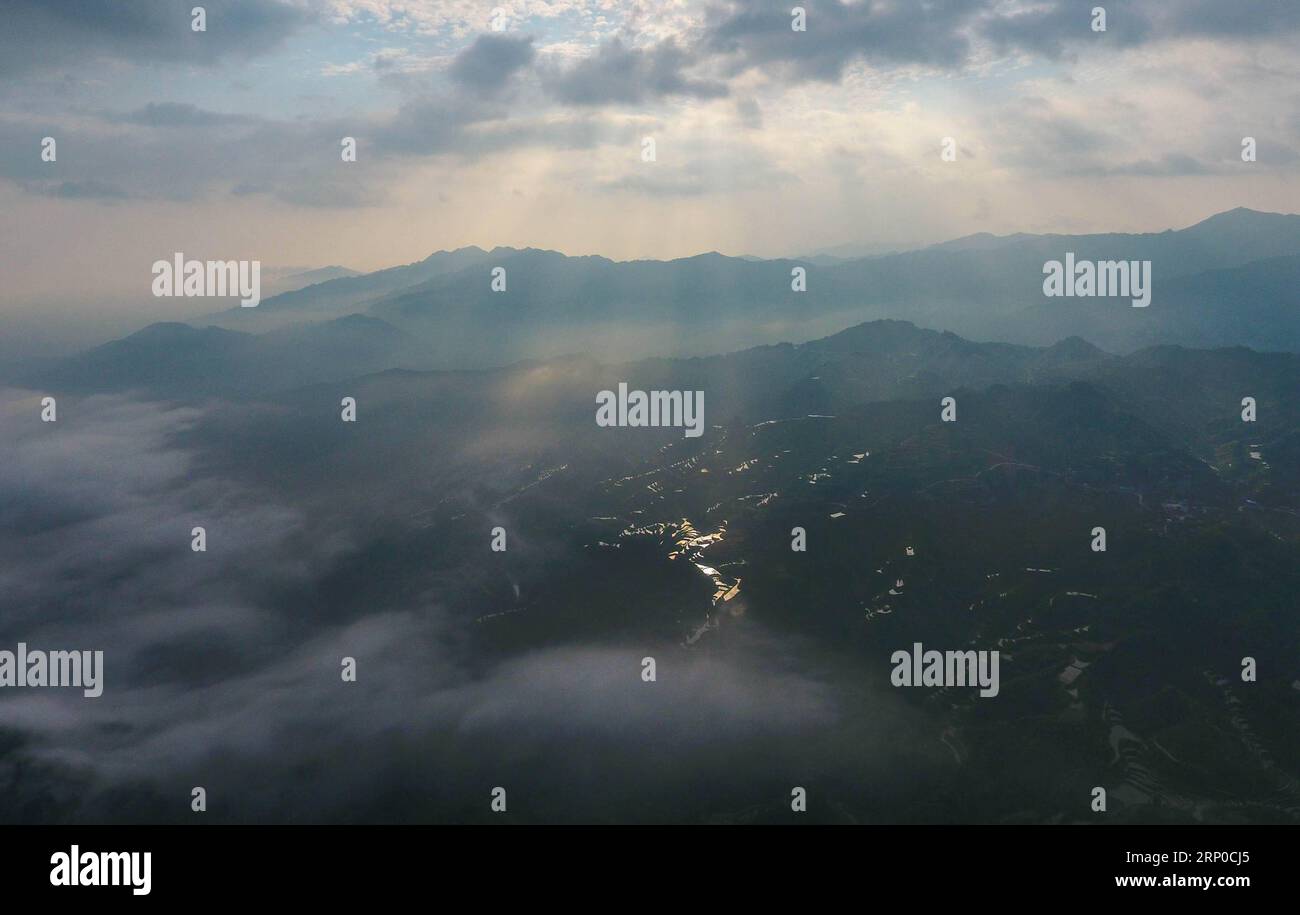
<point x="176" y="360"/>
<point x="277" y="281"/>
<point x="1229" y="280"/>
<point x="968" y="533"/>
<point x="1193" y="395"/>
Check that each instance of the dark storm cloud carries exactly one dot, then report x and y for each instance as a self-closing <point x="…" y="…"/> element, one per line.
<point x="74" y="34"/>
<point x="618" y="73"/>
<point x="488" y="63"/>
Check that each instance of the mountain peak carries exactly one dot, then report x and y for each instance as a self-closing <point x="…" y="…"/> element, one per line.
<point x="1244" y="216"/>
<point x="1072" y="349"/>
<point x="441" y="253"/>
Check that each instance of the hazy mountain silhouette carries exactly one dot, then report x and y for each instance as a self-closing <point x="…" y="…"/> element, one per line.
<point x="177" y="360"/>
<point x="353" y="290"/>
<point x="1227" y="280"/>
<point x="279" y="282"/>
<point x="1183" y="391"/>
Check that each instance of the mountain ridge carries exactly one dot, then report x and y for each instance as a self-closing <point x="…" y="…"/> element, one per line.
<point x="1223" y="280"/>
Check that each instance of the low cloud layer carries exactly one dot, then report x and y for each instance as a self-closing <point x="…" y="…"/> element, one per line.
<point x="220" y="670"/>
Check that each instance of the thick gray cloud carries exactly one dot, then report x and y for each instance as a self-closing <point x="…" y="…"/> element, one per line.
<point x="77" y="34"/>
<point x="756" y="34"/>
<point x="618" y="73"/>
<point x="488" y="63"/>
<point x="946" y="34"/>
<point x="1050" y="29"/>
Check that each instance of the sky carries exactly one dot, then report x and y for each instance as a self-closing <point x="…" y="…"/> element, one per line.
<point x="523" y="123"/>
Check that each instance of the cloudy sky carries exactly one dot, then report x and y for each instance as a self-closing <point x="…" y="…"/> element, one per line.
<point x="226" y="143"/>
